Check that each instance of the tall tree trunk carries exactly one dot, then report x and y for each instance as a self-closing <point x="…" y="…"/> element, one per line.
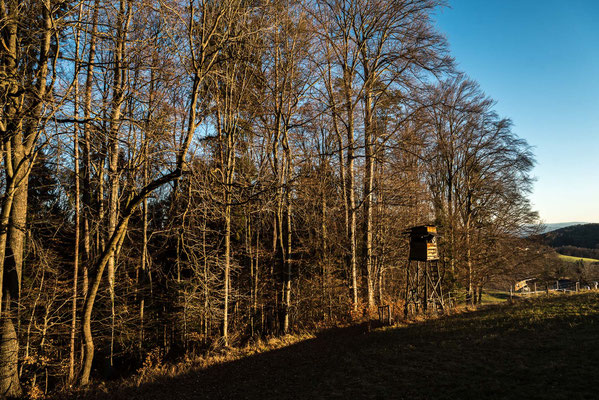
<point x="227" y="268"/>
<point x="287" y="264"/>
<point x="144" y="251"/>
<point x="351" y="192"/>
<point x="346" y="173"/>
<point x="21" y="146"/>
<point x="326" y="294"/>
<point x="470" y="294"/>
<point x="368" y="189"/>
<point x="86" y="148"/>
<point x="9" y="346"/>
<point x="91" y="297"/>
<point x="256" y="273"/>
<point x="205" y="258"/>
<point x="118" y="93"/>
<point x="71" y="376"/>
<point x="9" y="349"/>
<point x="229" y="171"/>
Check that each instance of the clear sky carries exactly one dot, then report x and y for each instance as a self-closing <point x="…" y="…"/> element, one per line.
<point x="539" y="59"/>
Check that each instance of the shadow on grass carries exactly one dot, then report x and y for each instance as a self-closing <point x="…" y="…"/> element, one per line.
<point x="498" y="295"/>
<point x="538" y="349"/>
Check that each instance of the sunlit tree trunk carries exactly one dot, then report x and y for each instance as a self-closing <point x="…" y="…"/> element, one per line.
<point x="287" y="239"/>
<point x="368" y="194"/>
<point x="118" y="93"/>
<point x="20" y="139"/>
<point x="86" y="149"/>
<point x="351" y="182"/>
<point x="77" y="205"/>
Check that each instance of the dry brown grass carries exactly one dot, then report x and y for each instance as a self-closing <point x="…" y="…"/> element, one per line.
<point x="154" y="369"/>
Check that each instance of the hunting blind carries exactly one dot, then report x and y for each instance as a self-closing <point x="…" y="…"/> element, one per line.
<point x="423" y="243"/>
<point x="423" y="278"/>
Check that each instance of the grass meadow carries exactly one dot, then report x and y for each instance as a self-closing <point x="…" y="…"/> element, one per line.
<point x="574" y="259"/>
<point x="544" y="347"/>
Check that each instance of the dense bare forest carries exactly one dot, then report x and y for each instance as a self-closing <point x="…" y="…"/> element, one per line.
<point x="187" y="174"/>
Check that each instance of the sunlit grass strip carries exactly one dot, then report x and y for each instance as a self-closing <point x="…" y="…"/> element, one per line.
<point x="575" y="259"/>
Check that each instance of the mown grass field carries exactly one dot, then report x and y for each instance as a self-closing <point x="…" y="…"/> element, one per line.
<point x="546" y="347"/>
<point x="574" y="259"/>
<point x="494" y="296"/>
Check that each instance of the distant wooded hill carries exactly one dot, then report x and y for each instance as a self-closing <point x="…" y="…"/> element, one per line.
<point x="576" y="240"/>
<point x="559" y="225"/>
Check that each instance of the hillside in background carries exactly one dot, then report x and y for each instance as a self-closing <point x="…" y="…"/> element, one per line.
<point x="586" y="235"/>
<point x="576" y="240"/>
<point x="560" y="225"/>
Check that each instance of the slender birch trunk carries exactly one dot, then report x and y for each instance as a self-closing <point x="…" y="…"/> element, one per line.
<point x="77" y="194"/>
<point x="368" y="191"/>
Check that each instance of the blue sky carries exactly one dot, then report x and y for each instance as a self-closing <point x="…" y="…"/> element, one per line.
<point x="539" y="59"/>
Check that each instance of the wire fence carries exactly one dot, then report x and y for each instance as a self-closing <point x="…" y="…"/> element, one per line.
<point x="562" y="286"/>
<point x="446" y="301"/>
